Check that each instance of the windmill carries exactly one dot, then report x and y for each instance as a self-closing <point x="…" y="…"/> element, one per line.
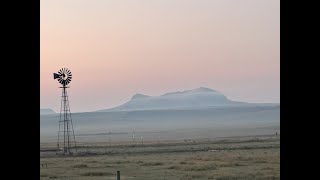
<point x="64" y="77"/>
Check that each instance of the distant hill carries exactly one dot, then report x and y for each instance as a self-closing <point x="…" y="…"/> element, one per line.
<point x="46" y="111"/>
<point x="200" y="112"/>
<point x="191" y="99"/>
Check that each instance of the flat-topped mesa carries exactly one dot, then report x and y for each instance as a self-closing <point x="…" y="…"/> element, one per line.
<point x="197" y="90"/>
<point x="195" y="98"/>
<point x="203" y="89"/>
<point x="139" y="96"/>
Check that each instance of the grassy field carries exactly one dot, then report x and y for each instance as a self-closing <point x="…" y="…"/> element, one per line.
<point x="221" y="159"/>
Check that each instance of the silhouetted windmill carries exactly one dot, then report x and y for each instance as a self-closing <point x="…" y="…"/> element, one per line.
<point x="64" y="77"/>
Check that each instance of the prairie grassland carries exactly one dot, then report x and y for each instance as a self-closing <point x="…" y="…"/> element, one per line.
<point x="227" y="159"/>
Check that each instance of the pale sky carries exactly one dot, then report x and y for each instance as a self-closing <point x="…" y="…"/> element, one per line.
<point x="117" y="48"/>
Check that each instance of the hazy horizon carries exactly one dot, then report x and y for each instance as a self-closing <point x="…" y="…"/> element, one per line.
<point x="116" y="49"/>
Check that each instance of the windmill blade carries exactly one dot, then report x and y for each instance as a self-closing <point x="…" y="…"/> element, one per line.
<point x="63" y="76"/>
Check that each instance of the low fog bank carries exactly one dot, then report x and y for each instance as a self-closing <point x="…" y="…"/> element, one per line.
<point x="162" y="125"/>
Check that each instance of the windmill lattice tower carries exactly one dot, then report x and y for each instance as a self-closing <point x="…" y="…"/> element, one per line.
<point x="66" y="137"/>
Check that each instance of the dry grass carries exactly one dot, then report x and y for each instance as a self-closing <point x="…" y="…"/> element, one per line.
<point x="252" y="162"/>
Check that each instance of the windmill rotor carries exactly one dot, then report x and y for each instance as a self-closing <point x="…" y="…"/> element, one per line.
<point x="63" y="76"/>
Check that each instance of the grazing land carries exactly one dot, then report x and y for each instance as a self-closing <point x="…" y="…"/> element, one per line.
<point x="239" y="157"/>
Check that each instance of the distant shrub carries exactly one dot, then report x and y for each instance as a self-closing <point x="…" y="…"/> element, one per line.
<point x="80" y="166"/>
<point x="92" y="161"/>
<point x="96" y="173"/>
<point x="44" y="175"/>
<point x="120" y="162"/>
<point x="243" y="177"/>
<point x="197" y="175"/>
<point x="174" y="167"/>
<point x="201" y="168"/>
<point x="152" y="164"/>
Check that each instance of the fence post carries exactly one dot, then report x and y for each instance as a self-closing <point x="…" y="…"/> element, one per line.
<point x="118" y="175"/>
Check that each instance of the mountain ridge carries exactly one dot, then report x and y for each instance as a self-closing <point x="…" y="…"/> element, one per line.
<point x="201" y="97"/>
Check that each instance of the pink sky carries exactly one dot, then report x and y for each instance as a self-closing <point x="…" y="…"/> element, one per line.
<point x="116" y="48"/>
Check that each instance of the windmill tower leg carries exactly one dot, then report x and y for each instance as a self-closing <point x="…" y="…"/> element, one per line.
<point x="71" y="137"/>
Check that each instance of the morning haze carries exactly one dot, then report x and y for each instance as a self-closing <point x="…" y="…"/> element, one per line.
<point x="161" y="89"/>
<point x="116" y="49"/>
